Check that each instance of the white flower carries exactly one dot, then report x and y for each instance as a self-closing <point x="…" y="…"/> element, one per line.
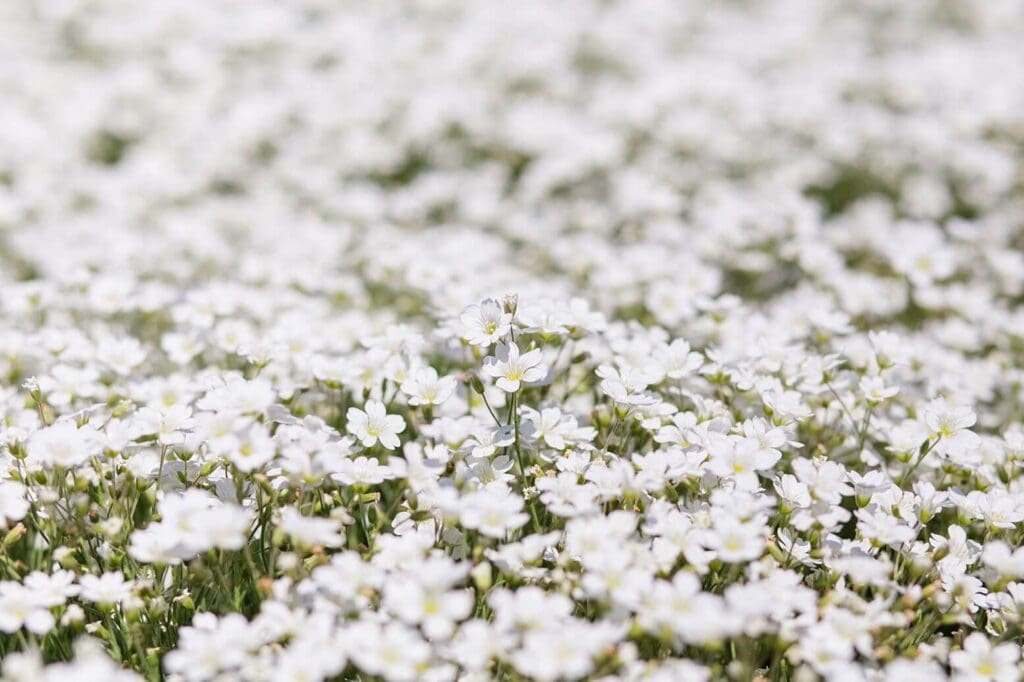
<point x="122" y="355"/>
<point x="425" y="597"/>
<point x="492" y="512"/>
<point x="998" y="556"/>
<point x="486" y="441"/>
<point x="191" y="523"/>
<point x="960" y="551"/>
<point x="108" y="588"/>
<point x="951" y="425"/>
<point x="362" y="471"/>
<point x="736" y="541"/>
<point x="883" y="528"/>
<point x="22" y="606"/>
<point x="209" y="646"/>
<point x="51" y="589"/>
<point x="1000" y="509"/>
<point x="627" y="386"/>
<point x="169" y="424"/>
<point x="563" y="650"/>
<point x="550" y="426"/>
<point x="979" y="661"/>
<point x="512" y="369"/>
<point x="62" y="445"/>
<point x="393" y="651"/>
<point x="14" y="503"/>
<point x="827" y="480"/>
<point x="375" y="425"/>
<point x="252" y="449"/>
<point x="310" y="531"/>
<point x="875" y="390"/>
<point x="66" y="383"/>
<point x="485" y="323"/>
<point x="740" y="459"/>
<point x="426" y="388"/>
<point x="678" y="361"/>
<point x="681" y="607"/>
<point x="239" y="396"/>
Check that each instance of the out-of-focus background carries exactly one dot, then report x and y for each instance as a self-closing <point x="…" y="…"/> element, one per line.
<point x="451" y="149"/>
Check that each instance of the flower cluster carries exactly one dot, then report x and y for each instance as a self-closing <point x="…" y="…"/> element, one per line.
<point x="437" y="340"/>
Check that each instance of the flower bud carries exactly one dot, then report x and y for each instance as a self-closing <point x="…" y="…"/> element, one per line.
<point x="482" y="576"/>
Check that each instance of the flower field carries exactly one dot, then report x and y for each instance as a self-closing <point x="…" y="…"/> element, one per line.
<point x="438" y="340"/>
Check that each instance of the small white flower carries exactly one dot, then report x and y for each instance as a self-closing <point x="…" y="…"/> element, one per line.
<point x="998" y="556"/>
<point x="362" y="471"/>
<point x="875" y="390"/>
<point x="426" y="388"/>
<point x="736" y="541"/>
<point x="14" y="502"/>
<point x="108" y="588"/>
<point x="375" y="425"/>
<point x="512" y="369"/>
<point x="22" y="606"/>
<point x="253" y="448"/>
<point x="951" y="425"/>
<point x="485" y="323"/>
<point x="492" y="512"/>
<point x="310" y="531"/>
<point x="979" y="661"/>
<point x="62" y="445"/>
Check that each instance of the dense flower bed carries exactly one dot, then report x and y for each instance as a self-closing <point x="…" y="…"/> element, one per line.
<point x="606" y="339"/>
